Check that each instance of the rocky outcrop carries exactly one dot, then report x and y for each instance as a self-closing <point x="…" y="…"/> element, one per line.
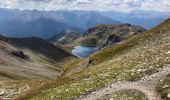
<point x="20" y="54"/>
<point x="106" y="35"/>
<point x="111" y="40"/>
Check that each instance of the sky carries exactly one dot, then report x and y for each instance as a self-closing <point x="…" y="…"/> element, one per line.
<point x="101" y="5"/>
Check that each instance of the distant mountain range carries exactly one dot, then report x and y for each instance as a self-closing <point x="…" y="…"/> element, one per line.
<point x="45" y="24"/>
<point x="146" y="19"/>
<point x="42" y="27"/>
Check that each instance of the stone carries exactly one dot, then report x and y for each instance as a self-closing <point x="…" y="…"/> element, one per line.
<point x="2" y="92"/>
<point x="168" y="52"/>
<point x="166" y="86"/>
<point x="139" y="70"/>
<point x="154" y="76"/>
<point x="94" y="92"/>
<point x="161" y="80"/>
<point x="168" y="95"/>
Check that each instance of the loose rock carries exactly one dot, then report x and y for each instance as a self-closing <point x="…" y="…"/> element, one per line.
<point x="2" y="92"/>
<point x="168" y="95"/>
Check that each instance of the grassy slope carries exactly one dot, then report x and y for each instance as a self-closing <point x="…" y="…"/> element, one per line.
<point x="130" y="60"/>
<point x="40" y="46"/>
<point x="134" y="42"/>
<point x="125" y="95"/>
<point x="12" y="88"/>
<point x="54" y="56"/>
<point x="14" y="83"/>
<point x="45" y="56"/>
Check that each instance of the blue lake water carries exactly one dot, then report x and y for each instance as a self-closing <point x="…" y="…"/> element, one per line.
<point x="83" y="51"/>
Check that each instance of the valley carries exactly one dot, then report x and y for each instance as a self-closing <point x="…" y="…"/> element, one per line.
<point x="139" y="63"/>
<point x="129" y="61"/>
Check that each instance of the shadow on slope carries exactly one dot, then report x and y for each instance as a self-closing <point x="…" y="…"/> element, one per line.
<point x="40" y="46"/>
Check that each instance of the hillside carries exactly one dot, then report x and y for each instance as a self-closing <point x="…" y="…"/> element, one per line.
<point x="106" y="35"/>
<point x="136" y="65"/>
<point x="30" y="58"/>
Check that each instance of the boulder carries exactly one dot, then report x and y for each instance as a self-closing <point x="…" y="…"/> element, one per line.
<point x="168" y="95"/>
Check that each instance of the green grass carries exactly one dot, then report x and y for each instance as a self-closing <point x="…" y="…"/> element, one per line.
<point x="15" y="87"/>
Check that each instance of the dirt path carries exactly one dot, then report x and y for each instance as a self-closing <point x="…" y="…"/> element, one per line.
<point x="146" y="85"/>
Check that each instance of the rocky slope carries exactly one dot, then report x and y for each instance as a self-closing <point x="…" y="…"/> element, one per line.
<point x="106" y="35"/>
<point x="143" y="58"/>
<point x="64" y="38"/>
<point x="30" y="58"/>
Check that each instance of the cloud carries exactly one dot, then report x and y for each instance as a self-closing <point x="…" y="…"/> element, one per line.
<point x="114" y="5"/>
<point x="6" y="3"/>
<point x="38" y="0"/>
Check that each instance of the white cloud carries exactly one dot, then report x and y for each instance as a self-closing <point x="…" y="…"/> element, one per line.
<point x="7" y="3"/>
<point x="116" y="5"/>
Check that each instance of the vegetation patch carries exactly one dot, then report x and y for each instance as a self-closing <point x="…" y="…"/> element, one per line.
<point x="163" y="88"/>
<point x="125" y="95"/>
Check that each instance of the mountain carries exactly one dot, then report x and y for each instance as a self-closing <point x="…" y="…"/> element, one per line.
<point x="45" y="24"/>
<point x="87" y="19"/>
<point x="106" y="35"/>
<point x="65" y="37"/>
<point x="100" y="36"/>
<point x="30" y="58"/>
<point x="17" y="23"/>
<point x="136" y="68"/>
<point x="42" y="27"/>
<point x="146" y="19"/>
